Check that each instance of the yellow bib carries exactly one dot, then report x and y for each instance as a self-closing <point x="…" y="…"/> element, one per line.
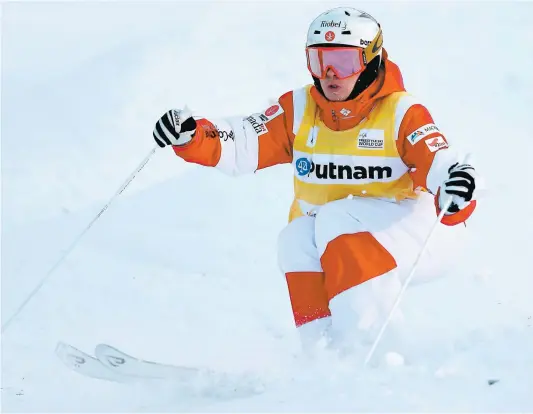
<point x="362" y="161"/>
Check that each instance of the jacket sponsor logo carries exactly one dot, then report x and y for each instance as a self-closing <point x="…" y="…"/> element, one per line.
<point x="271" y="113"/>
<point x="215" y="132"/>
<point x="428" y="129"/>
<point x="333" y="171"/>
<point x="272" y="110"/>
<point x="371" y="139"/>
<point x="220" y="133"/>
<point x="437" y="143"/>
<point x="258" y="126"/>
<point x="422" y="132"/>
<point x="415" y="137"/>
<point x="345" y="112"/>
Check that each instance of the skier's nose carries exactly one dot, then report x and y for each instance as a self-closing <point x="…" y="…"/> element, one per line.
<point x="330" y="75"/>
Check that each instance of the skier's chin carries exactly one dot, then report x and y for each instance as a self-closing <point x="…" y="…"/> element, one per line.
<point x="335" y="95"/>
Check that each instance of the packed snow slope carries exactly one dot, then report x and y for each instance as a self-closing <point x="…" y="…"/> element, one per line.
<point x="182" y="267"/>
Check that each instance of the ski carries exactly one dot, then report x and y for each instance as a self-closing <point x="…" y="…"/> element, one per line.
<point x="124" y="364"/>
<point x="112" y="364"/>
<point x="196" y="378"/>
<point x="85" y="364"/>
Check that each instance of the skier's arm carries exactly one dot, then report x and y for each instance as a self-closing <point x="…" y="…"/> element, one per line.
<point x="240" y="145"/>
<point x="424" y="148"/>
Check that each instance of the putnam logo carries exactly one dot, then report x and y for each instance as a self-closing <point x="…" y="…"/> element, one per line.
<point x="303" y="166"/>
<point x="333" y="171"/>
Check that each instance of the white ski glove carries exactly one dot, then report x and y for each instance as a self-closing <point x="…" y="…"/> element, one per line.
<point x="461" y="185"/>
<point x="175" y="127"/>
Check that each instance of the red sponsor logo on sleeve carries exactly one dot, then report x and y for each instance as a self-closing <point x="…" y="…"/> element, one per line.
<point x="435" y="144"/>
<point x="272" y="110"/>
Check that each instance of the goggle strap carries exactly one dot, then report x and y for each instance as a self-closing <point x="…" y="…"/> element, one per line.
<point x="373" y="48"/>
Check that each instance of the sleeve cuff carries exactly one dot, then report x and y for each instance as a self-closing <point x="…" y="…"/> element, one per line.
<point x="457" y="218"/>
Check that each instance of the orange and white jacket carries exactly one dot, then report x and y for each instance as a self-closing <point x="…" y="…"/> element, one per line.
<point x="382" y="144"/>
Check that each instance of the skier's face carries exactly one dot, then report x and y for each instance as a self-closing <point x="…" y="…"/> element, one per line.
<point x="337" y="89"/>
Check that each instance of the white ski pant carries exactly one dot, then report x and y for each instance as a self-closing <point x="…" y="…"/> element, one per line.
<point x="345" y="267"/>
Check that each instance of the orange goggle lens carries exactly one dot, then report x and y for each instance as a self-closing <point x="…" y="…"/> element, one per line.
<point x="343" y="61"/>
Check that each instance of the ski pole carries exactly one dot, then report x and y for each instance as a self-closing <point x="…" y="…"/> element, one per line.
<point x="445" y="207"/>
<point x="126" y="183"/>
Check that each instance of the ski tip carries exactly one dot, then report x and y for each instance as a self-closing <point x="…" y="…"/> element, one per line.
<point x="492" y="381"/>
<point x="61" y="348"/>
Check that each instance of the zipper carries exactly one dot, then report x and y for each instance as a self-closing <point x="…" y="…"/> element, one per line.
<point x="335" y="118"/>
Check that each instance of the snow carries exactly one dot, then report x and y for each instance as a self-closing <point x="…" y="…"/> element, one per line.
<point x="182" y="268"/>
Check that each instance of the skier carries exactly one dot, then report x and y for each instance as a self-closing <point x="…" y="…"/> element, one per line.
<point x="371" y="172"/>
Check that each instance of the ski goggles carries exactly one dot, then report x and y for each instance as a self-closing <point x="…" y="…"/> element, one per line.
<point x="344" y="61"/>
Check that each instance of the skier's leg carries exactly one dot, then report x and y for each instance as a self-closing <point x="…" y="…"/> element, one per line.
<point x="299" y="261"/>
<point x="367" y="247"/>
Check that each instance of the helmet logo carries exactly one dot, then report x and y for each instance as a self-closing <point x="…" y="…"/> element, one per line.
<point x="339" y="24"/>
<point x="378" y="44"/>
<point x="330" y="36"/>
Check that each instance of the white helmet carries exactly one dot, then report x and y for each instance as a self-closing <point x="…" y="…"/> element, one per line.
<point x="347" y="26"/>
